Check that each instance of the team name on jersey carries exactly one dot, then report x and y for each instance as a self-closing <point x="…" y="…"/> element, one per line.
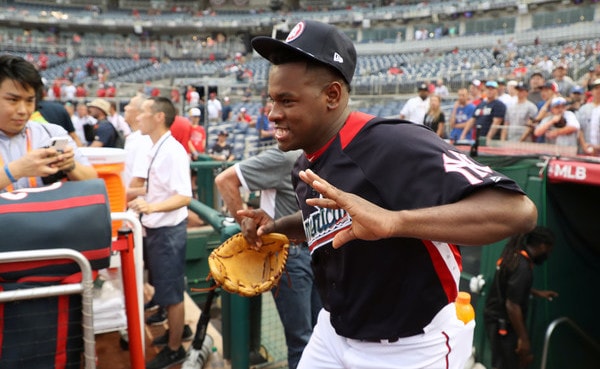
<point x="322" y="225"/>
<point x="461" y="163"/>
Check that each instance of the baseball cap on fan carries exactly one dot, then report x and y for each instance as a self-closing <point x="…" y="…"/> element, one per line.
<point x="312" y="40"/>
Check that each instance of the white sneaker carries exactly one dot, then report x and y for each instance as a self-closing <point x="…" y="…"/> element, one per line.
<point x="193" y="360"/>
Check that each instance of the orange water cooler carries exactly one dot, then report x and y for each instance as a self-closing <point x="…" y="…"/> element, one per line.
<point x="109" y="163"/>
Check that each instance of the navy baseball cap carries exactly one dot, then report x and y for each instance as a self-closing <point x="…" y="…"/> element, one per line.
<point x="316" y="41"/>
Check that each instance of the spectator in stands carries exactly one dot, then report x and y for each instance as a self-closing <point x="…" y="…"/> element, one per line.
<point x="111" y="90"/>
<point x="191" y="96"/>
<point x="68" y="92"/>
<point x="564" y="82"/>
<point x="440" y="89"/>
<point x="560" y="127"/>
<point x="536" y="82"/>
<point x="26" y="162"/>
<point x="175" y="95"/>
<point x="221" y="150"/>
<point x="589" y="78"/>
<point x="160" y="192"/>
<point x="461" y="113"/>
<point x="434" y="118"/>
<point x="227" y="111"/>
<point x="266" y="128"/>
<point x="297" y="300"/>
<point x="589" y="120"/>
<point x="475" y="93"/>
<point x="247" y="97"/>
<point x="80" y="119"/>
<point x="213" y="108"/>
<point x="394" y="70"/>
<point x="576" y="98"/>
<point x="243" y="116"/>
<point x="55" y="92"/>
<point x="415" y="108"/>
<point x="117" y="119"/>
<point x="101" y="91"/>
<point x="546" y="64"/>
<point x="548" y="91"/>
<point x="80" y="91"/>
<point x="103" y="133"/>
<point x="489" y="112"/>
<point x="518" y="121"/>
<point x="197" y="143"/>
<point x="503" y="94"/>
<point x="520" y="71"/>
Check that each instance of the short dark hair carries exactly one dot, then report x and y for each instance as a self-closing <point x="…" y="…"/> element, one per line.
<point x="164" y="105"/>
<point x="20" y="70"/>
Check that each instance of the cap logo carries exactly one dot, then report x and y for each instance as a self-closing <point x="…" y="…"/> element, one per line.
<point x="338" y="58"/>
<point x="295" y="32"/>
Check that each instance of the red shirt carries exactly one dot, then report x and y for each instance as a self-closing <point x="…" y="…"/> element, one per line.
<point x="181" y="129"/>
<point x="198" y="138"/>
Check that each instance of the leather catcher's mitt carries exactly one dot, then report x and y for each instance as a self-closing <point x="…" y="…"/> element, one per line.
<point x="240" y="269"/>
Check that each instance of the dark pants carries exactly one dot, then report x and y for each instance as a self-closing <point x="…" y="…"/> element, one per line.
<point x="503" y="346"/>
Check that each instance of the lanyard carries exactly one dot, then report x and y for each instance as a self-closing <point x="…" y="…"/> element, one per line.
<point x="32" y="181"/>
<point x="150" y="167"/>
<point x="152" y="161"/>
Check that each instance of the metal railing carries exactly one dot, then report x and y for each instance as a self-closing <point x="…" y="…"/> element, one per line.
<point x="84" y="288"/>
<point x="550" y="330"/>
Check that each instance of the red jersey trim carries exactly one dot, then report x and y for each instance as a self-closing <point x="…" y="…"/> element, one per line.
<point x="442" y="271"/>
<point x="354" y="123"/>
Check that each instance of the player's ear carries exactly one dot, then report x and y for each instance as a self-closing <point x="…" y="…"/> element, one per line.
<point x="333" y="93"/>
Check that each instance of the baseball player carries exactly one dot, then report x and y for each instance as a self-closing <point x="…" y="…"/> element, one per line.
<point x="383" y="204"/>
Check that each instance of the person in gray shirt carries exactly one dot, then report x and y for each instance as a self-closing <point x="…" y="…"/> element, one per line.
<point x="297" y="300"/>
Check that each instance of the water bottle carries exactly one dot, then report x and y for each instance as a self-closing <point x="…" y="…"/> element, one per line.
<point x="464" y="310"/>
<point x="216" y="360"/>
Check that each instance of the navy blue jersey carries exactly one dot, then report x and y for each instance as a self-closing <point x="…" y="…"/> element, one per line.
<point x="393" y="287"/>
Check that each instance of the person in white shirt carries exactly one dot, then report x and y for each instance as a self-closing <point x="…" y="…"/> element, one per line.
<point x="117" y="120"/>
<point x="136" y="144"/>
<point x="213" y="108"/>
<point x="160" y="192"/>
<point x="80" y="119"/>
<point x="441" y="90"/>
<point x="416" y="107"/>
<point x="561" y="126"/>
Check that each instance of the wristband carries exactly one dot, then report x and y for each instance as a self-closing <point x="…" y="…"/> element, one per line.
<point x="9" y="174"/>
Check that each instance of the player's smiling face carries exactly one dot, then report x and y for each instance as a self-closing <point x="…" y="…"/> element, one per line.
<point x="299" y="108"/>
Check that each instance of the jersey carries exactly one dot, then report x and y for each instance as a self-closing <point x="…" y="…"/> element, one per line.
<point x="367" y="158"/>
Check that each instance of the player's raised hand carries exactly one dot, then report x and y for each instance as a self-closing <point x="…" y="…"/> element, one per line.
<point x="369" y="221"/>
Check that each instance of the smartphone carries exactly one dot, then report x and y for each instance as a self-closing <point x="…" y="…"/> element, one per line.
<point x="59" y="143"/>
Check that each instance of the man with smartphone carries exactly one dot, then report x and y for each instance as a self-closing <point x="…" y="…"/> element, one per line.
<point x="24" y="157"/>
